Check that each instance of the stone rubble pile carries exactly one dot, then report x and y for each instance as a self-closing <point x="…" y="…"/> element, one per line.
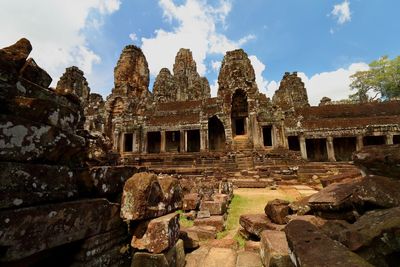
<point x="353" y="221"/>
<point x="148" y="206"/>
<point x="55" y="202"/>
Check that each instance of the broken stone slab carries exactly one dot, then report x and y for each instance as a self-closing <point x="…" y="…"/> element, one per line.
<point x="346" y="215"/>
<point x="374" y="236"/>
<point x="46" y="111"/>
<point x="12" y="59"/>
<point x="218" y="257"/>
<point x="191" y="201"/>
<point x="333" y="228"/>
<point x="30" y="230"/>
<point x="274" y="249"/>
<point x="32" y="72"/>
<point x="196" y="258"/>
<point x="203" y="214"/>
<point x="143" y="198"/>
<point x="248" y="259"/>
<point x="317" y="221"/>
<point x="23" y="140"/>
<point x="215" y="207"/>
<point x="277" y="210"/>
<point x="325" y="181"/>
<point x="217" y="221"/>
<point x="174" y="257"/>
<point x="377" y="191"/>
<point x="203" y="232"/>
<point x="157" y="235"/>
<point x="381" y="160"/>
<point x="190" y="239"/>
<point x="256" y="223"/>
<point x="334" y="197"/>
<point x="309" y="247"/>
<point x="106" y="180"/>
<point x="252" y="246"/>
<point x="25" y="184"/>
<point x="224" y="198"/>
<point x="115" y="256"/>
<point x="301" y="206"/>
<point x="223" y="243"/>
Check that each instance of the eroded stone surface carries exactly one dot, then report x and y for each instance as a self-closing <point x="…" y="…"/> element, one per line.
<point x="73" y="82"/>
<point x="191" y="201"/>
<point x="277" y="210"/>
<point x="274" y="249"/>
<point x="216" y="221"/>
<point x="32" y="72"/>
<point x="12" y="59"/>
<point x="256" y="223"/>
<point x="214" y="207"/>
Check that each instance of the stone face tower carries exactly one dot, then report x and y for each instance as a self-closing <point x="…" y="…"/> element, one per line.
<point x="184" y="84"/>
<point x="74" y="82"/>
<point x="291" y="93"/>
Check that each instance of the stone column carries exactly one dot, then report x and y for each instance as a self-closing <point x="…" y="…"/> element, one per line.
<point x="162" y="143"/>
<point x="303" y="147"/>
<point x="203" y="140"/>
<point x="115" y="144"/>
<point x="330" y="149"/>
<point x="144" y="143"/>
<point x="182" y="140"/>
<point x="389" y="139"/>
<point x="360" y="142"/>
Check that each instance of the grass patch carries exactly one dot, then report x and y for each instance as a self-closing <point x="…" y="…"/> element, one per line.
<point x="240" y="240"/>
<point x="183" y="220"/>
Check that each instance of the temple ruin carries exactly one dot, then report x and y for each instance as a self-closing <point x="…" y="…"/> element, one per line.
<point x="88" y="181"/>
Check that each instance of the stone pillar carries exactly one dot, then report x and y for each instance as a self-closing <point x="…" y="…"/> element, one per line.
<point x="389" y="139"/>
<point x="303" y="147"/>
<point x="330" y="149"/>
<point x="360" y="142"/>
<point x="144" y="143"/>
<point x="115" y="143"/>
<point x="163" y="141"/>
<point x="203" y="140"/>
<point x="182" y="140"/>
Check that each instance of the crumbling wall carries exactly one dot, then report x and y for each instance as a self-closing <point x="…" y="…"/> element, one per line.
<point x="291" y="93"/>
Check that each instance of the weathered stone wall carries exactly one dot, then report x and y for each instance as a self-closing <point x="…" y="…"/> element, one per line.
<point x="291" y="93"/>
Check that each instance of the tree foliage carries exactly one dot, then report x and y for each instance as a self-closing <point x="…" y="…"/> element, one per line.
<point x="382" y="80"/>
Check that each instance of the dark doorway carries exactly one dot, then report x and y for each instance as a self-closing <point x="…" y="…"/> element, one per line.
<point x="267" y="135"/>
<point x="153" y="142"/>
<point x="239" y="112"/>
<point x="172" y="141"/>
<point x="396" y="139"/>
<point x="316" y="149"/>
<point x="128" y="142"/>
<point x="216" y="134"/>
<point x="193" y="141"/>
<point x="374" y="140"/>
<point x="344" y="148"/>
<point x="294" y="143"/>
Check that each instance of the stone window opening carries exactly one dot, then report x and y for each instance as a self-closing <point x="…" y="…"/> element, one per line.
<point x="193" y="140"/>
<point x="374" y="140"/>
<point x="216" y="134"/>
<point x="153" y="142"/>
<point x="396" y="139"/>
<point x="294" y="143"/>
<point x="344" y="148"/>
<point x="239" y="112"/>
<point x="316" y="149"/>
<point x="267" y="135"/>
<point x="128" y="142"/>
<point x="172" y="141"/>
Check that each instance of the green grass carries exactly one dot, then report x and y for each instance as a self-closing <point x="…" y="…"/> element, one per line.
<point x="183" y="220"/>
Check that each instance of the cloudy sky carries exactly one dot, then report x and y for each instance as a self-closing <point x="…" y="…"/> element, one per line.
<point x="325" y="41"/>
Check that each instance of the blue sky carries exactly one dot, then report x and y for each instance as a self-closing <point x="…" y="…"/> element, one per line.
<point x="325" y="41"/>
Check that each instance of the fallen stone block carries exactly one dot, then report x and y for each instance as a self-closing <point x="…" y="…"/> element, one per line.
<point x="32" y="72"/>
<point x="256" y="223"/>
<point x="30" y="230"/>
<point x="157" y="235"/>
<point x="277" y="210"/>
<point x="274" y="249"/>
<point x="172" y="190"/>
<point x="381" y="160"/>
<point x="223" y="243"/>
<point x="191" y="201"/>
<point x="217" y="257"/>
<point x="24" y="184"/>
<point x="310" y="247"/>
<point x="252" y="246"/>
<point x="174" y="257"/>
<point x="195" y="258"/>
<point x="203" y="232"/>
<point x="224" y="198"/>
<point x="375" y="236"/>
<point x="144" y="198"/>
<point x="325" y="181"/>
<point x="217" y="221"/>
<point x="23" y="140"/>
<point x="301" y="206"/>
<point x="248" y="259"/>
<point x="201" y="214"/>
<point x="215" y="207"/>
<point x="12" y="59"/>
<point x="317" y="221"/>
<point x="190" y="239"/>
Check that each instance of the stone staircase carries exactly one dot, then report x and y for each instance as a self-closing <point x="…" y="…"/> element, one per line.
<point x="244" y="161"/>
<point x="241" y="143"/>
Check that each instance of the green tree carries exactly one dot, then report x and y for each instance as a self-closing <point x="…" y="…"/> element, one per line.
<point x="382" y="80"/>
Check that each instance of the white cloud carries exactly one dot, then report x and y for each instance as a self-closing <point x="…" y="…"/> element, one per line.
<point x="342" y="12"/>
<point x="334" y="84"/>
<point x="214" y="88"/>
<point x="259" y="67"/>
<point x="196" y="30"/>
<point x="133" y="37"/>
<point x="216" y="65"/>
<point x="56" y="30"/>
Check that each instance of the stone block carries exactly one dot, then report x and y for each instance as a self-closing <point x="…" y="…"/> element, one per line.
<point x="203" y="232"/>
<point x="23" y="140"/>
<point x="248" y="259"/>
<point x="24" y="184"/>
<point x="30" y="230"/>
<point x="32" y="72"/>
<point x="223" y="243"/>
<point x="252" y="246"/>
<point x="190" y="239"/>
<point x="274" y="249"/>
<point x="172" y="190"/>
<point x="12" y="59"/>
<point x="174" y="257"/>
<point x="325" y="181"/>
<point x="224" y="198"/>
<point x="217" y="257"/>
<point x="157" y="235"/>
<point x="215" y="207"/>
<point x="310" y="247"/>
<point x="217" y="221"/>
<point x="256" y="223"/>
<point x="277" y="210"/>
<point x="144" y="198"/>
<point x="191" y="201"/>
